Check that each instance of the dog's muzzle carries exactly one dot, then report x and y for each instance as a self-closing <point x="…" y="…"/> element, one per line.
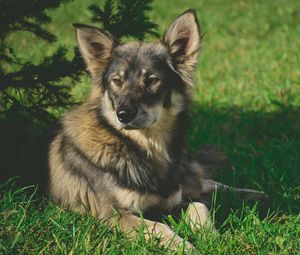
<point x="126" y="115"/>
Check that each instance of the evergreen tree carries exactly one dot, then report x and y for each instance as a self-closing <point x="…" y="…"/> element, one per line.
<point x="125" y="18"/>
<point x="26" y="87"/>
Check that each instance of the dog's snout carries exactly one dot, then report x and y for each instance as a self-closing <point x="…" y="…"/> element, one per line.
<point x="126" y="115"/>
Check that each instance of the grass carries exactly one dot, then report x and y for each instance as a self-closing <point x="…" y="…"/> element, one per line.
<point x="246" y="100"/>
<point x="29" y="226"/>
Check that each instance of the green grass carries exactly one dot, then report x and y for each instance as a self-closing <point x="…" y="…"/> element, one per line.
<point x="29" y="226"/>
<point x="246" y="100"/>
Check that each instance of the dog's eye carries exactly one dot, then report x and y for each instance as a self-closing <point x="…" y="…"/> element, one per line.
<point x="116" y="81"/>
<point x="151" y="79"/>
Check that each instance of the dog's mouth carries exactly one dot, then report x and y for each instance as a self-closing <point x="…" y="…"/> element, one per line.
<point x="130" y="127"/>
<point x="135" y="125"/>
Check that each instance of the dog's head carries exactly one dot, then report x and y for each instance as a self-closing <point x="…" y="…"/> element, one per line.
<point x="142" y="80"/>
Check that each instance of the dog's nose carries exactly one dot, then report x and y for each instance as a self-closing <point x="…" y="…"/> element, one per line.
<point x="126" y="115"/>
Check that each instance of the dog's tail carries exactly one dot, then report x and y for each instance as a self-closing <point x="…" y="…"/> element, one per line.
<point x="206" y="164"/>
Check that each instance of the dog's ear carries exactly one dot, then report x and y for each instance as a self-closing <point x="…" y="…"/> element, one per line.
<point x="183" y="41"/>
<point x="95" y="46"/>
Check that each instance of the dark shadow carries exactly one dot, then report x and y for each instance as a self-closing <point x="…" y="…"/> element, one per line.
<point x="23" y="149"/>
<point x="263" y="154"/>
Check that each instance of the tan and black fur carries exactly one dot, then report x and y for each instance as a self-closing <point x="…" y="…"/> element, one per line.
<point x="122" y="152"/>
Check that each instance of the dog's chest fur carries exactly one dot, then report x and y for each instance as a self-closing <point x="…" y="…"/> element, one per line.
<point x="155" y="144"/>
<point x="138" y="166"/>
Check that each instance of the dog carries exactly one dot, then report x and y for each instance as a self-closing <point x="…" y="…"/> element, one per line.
<point x="122" y="152"/>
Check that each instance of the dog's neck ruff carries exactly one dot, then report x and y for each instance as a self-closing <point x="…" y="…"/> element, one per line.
<point x="156" y="174"/>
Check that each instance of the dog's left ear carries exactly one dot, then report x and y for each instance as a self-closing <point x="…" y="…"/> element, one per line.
<point x="183" y="40"/>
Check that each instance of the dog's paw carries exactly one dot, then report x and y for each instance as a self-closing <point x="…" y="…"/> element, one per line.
<point x="170" y="239"/>
<point x="198" y="217"/>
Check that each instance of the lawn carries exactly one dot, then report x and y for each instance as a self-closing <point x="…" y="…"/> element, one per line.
<point x="246" y="101"/>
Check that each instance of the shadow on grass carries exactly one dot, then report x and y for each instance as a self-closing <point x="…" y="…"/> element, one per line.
<point x="262" y="148"/>
<point x="23" y="149"/>
<point x="263" y="153"/>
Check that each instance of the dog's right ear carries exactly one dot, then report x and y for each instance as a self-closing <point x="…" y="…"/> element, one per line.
<point x="95" y="46"/>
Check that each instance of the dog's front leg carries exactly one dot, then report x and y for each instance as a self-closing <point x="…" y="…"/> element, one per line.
<point x="130" y="224"/>
<point x="197" y="216"/>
